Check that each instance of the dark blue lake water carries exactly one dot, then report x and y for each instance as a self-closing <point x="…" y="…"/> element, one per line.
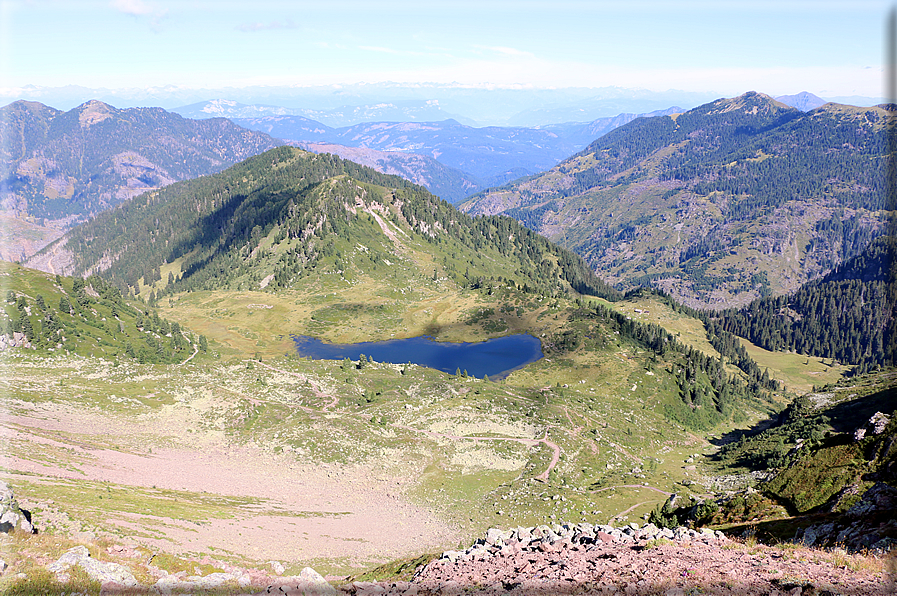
<point x="494" y="357"/>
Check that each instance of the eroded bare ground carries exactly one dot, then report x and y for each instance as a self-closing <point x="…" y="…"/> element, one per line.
<point x="173" y="476"/>
<point x="245" y="464"/>
<point x="278" y="509"/>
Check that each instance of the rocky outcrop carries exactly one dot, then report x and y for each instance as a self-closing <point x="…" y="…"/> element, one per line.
<point x="558" y="537"/>
<point x="18" y="340"/>
<point x="181" y="583"/>
<point x="875" y="426"/>
<point x="869" y="524"/>
<point x="308" y="583"/>
<point x="110" y="575"/>
<point x="584" y="559"/>
<point x="12" y="517"/>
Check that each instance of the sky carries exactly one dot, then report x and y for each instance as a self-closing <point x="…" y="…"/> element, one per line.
<point x="830" y="48"/>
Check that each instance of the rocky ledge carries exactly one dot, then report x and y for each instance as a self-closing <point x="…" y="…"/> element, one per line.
<point x="647" y="560"/>
<point x="560" y="537"/>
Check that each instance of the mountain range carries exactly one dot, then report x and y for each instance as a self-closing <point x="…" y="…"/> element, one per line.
<point x="61" y="168"/>
<point x="171" y="348"/>
<point x="336" y="105"/>
<point x="296" y="214"/>
<point x="486" y="156"/>
<point x="732" y="200"/>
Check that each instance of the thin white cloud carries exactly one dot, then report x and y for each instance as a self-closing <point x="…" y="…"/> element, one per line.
<point x="140" y="10"/>
<point x="395" y="52"/>
<point x="273" y="25"/>
<point x="380" y="49"/>
<point x="137" y="8"/>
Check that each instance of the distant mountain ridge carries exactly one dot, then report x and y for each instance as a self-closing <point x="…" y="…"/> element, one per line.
<point x="447" y="183"/>
<point x="391" y="111"/>
<point x="803" y="101"/>
<point x="64" y="167"/>
<point x="474" y="105"/>
<point x="488" y="156"/>
<point x="732" y="200"/>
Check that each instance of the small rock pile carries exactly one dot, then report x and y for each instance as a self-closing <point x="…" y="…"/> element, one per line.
<point x="181" y="583"/>
<point x="555" y="538"/>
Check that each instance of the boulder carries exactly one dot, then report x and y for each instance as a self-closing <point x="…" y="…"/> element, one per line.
<point x="12" y="517"/>
<point x="878" y="422"/>
<point x="310" y="583"/>
<point x="105" y="573"/>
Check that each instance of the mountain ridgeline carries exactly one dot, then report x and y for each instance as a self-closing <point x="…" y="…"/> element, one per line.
<point x="730" y="201"/>
<point x="288" y="214"/>
<point x="65" y="167"/>
<point x="471" y="158"/>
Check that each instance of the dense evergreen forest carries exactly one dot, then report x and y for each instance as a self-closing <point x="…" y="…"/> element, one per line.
<point x="745" y="184"/>
<point x="762" y="155"/>
<point x="849" y="315"/>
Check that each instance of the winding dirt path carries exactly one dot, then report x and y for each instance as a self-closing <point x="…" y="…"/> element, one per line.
<point x="190" y="357"/>
<point x="622" y="513"/>
<point x="618" y="516"/>
<point x="654" y="488"/>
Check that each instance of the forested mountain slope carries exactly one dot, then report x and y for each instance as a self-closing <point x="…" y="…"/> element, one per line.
<point x="287" y="213"/>
<point x="848" y="315"/>
<point x="733" y="200"/>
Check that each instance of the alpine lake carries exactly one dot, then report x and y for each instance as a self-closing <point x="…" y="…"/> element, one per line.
<point x="494" y="357"/>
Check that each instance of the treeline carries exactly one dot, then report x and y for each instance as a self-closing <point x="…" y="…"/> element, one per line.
<point x="707" y="393"/>
<point x="810" y="156"/>
<point x="848" y="316"/>
<point x="760" y="155"/>
<point x="749" y="156"/>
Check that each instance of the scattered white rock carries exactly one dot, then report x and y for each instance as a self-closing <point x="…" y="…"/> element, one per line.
<point x="105" y="573"/>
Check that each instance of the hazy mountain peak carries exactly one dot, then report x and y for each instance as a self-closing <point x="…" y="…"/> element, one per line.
<point x="803" y="101"/>
<point x="750" y="102"/>
<point x="94" y="112"/>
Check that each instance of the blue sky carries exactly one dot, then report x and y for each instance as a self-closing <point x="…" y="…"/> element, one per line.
<point x="778" y="47"/>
